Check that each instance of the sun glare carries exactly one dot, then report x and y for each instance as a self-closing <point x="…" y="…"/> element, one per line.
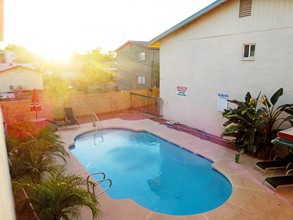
<point x="55" y="29"/>
<point x="53" y="52"/>
<point x="56" y="42"/>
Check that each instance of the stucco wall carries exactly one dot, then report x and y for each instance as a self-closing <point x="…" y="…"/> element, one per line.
<point x="1" y="19"/>
<point x="6" y="196"/>
<point x="129" y="68"/>
<point x="206" y="57"/>
<point x="53" y="108"/>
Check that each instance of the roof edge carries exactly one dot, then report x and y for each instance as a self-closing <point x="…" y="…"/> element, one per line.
<point x="16" y="66"/>
<point x="136" y="42"/>
<point x="155" y="41"/>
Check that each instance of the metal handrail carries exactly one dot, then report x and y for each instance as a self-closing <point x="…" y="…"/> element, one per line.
<point x="288" y="166"/>
<point x="92" y="174"/>
<point x="95" y="120"/>
<point x="98" y="182"/>
<point x="287" y="173"/>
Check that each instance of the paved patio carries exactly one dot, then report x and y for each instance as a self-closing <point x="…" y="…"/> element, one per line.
<point x="250" y="199"/>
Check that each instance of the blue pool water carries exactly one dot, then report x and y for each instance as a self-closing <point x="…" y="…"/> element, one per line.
<point x="153" y="172"/>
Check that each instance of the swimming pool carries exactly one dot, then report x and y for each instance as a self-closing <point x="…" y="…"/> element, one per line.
<point x="153" y="172"/>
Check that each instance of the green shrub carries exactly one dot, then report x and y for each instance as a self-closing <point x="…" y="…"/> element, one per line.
<point x="33" y="167"/>
<point x="252" y="127"/>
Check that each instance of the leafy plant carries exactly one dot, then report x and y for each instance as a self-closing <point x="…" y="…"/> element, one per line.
<point x="49" y="192"/>
<point x="272" y="114"/>
<point x="32" y="154"/>
<point x="58" y="196"/>
<point x="243" y="124"/>
<point x="254" y="127"/>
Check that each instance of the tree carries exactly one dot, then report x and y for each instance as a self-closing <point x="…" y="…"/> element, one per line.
<point x="57" y="86"/>
<point x="92" y="68"/>
<point x="23" y="55"/>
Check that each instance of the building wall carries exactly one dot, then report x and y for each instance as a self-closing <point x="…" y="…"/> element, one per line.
<point x="9" y="57"/>
<point x="27" y="79"/>
<point x="128" y="67"/>
<point x="1" y="20"/>
<point x="210" y="54"/>
<point x="6" y="194"/>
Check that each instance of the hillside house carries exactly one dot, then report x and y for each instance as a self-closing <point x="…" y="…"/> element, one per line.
<point x="137" y="66"/>
<point x="223" y="51"/>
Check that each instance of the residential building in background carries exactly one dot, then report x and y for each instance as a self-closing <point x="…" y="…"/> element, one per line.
<point x="7" y="57"/>
<point x="137" y="66"/>
<point x="20" y="78"/>
<point x="112" y="67"/>
<point x="16" y="78"/>
<point x="222" y="52"/>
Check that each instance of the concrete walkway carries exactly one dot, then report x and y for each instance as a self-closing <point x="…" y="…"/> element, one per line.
<point x="250" y="199"/>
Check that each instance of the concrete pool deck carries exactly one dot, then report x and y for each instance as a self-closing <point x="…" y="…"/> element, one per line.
<point x="250" y="198"/>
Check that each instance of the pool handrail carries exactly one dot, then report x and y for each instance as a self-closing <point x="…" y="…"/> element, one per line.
<point x="98" y="182"/>
<point x="96" y="121"/>
<point x="92" y="174"/>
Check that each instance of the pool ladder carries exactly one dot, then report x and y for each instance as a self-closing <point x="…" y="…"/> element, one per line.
<point x="92" y="185"/>
<point x="97" y="125"/>
<point x="96" y="121"/>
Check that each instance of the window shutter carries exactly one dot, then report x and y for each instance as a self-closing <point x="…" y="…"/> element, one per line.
<point x="245" y="8"/>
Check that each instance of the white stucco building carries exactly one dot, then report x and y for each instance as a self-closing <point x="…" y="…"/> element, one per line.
<point x="18" y="76"/>
<point x="228" y="48"/>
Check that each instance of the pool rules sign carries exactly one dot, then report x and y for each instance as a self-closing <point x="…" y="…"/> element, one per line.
<point x="181" y="90"/>
<point x="222" y="102"/>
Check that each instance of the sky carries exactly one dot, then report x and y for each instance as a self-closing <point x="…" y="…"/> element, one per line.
<point x="56" y="28"/>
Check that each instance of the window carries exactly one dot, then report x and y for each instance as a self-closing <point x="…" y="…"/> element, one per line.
<point x="140" y="79"/>
<point x="141" y="56"/>
<point x="245" y="8"/>
<point x="248" y="52"/>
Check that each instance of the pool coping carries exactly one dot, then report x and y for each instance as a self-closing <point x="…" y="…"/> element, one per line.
<point x="250" y="199"/>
